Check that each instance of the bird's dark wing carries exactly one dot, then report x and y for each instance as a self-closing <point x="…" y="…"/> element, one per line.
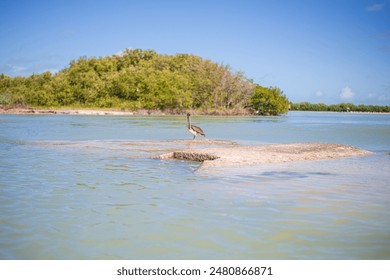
<point x="197" y="129"/>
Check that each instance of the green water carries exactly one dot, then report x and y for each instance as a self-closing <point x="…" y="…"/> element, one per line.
<point x="85" y="187"/>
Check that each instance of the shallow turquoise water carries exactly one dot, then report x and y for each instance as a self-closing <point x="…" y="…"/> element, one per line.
<point x="83" y="187"/>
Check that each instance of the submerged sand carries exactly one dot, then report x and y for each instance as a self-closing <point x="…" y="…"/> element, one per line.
<point x="235" y="155"/>
<point x="215" y="152"/>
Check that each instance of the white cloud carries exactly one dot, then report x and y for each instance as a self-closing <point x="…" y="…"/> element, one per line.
<point x="383" y="98"/>
<point x="319" y="93"/>
<point x="122" y="52"/>
<point x="375" y="7"/>
<point x="347" y="93"/>
<point x="377" y="99"/>
<point x="53" y="71"/>
<point x="18" y="69"/>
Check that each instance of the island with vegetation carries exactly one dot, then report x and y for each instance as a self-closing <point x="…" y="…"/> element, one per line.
<point x="143" y="80"/>
<point x="341" y="107"/>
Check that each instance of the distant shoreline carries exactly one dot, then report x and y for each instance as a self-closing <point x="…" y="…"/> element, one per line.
<point x="35" y="111"/>
<point x="140" y="112"/>
<point x="335" y="112"/>
<point x="117" y="112"/>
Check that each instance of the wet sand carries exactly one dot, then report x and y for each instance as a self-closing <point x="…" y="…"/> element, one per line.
<point x="140" y="112"/>
<point x="236" y="155"/>
<point x="216" y="152"/>
<point x="117" y="112"/>
<point x="33" y="111"/>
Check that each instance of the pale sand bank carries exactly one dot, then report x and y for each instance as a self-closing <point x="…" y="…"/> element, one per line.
<point x="32" y="111"/>
<point x="215" y="152"/>
<point x="139" y="112"/>
<point x="235" y="155"/>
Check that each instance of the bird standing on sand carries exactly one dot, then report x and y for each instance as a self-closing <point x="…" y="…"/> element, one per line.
<point x="193" y="129"/>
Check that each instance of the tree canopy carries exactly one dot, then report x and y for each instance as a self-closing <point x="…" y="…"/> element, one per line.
<point x="143" y="79"/>
<point x="341" y="107"/>
<point x="268" y="101"/>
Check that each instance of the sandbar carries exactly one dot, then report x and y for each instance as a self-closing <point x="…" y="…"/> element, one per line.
<point x="236" y="155"/>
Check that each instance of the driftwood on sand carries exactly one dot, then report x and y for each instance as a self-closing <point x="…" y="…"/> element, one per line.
<point x="235" y="155"/>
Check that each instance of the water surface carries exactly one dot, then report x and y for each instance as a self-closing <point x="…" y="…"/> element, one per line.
<point x="83" y="187"/>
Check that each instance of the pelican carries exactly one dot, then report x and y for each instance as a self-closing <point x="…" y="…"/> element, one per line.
<point x="193" y="129"/>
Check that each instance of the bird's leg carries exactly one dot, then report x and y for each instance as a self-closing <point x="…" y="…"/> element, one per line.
<point x="194" y="137"/>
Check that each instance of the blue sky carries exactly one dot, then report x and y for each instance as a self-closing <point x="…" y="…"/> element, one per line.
<point x="316" y="51"/>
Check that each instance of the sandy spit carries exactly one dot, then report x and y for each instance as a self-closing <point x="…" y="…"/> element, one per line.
<point x="237" y="155"/>
<point x="33" y="111"/>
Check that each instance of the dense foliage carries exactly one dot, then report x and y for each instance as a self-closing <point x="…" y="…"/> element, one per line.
<point x="143" y="79"/>
<point x="342" y="107"/>
<point x="268" y="101"/>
